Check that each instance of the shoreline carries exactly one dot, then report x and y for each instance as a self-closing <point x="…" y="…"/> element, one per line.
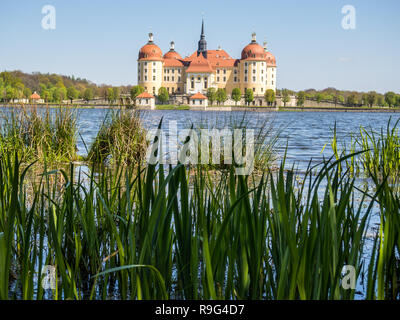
<point x="217" y="108"/>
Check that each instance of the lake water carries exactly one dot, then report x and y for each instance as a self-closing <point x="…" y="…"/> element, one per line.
<point x="306" y="133"/>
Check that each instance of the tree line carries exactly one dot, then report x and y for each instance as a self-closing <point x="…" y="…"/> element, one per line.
<point x="58" y="88"/>
<point x="55" y="88"/>
<point x="346" y="98"/>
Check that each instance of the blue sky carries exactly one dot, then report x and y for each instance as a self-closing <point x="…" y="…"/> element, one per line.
<point x="99" y="40"/>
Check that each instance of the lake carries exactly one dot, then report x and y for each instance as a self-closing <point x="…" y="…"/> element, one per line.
<point x="306" y="133"/>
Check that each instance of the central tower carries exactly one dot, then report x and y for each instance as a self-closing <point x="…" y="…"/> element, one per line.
<point x="202" y="48"/>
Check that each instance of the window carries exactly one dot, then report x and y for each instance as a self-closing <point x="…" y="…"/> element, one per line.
<point x="245" y="64"/>
<point x="173" y="90"/>
<point x="262" y="89"/>
<point x="147" y="101"/>
<point x="254" y="64"/>
<point x="235" y="71"/>
<point x="245" y="71"/>
<point x="154" y="90"/>
<point x="200" y="101"/>
<point x="224" y="71"/>
<point x="254" y="79"/>
<point x="217" y="71"/>
<point x="272" y="76"/>
<point x="145" y="70"/>
<point x="154" y="63"/>
<point x="145" y="63"/>
<point x="217" y="79"/>
<point x="262" y="79"/>
<point x="245" y="79"/>
<point x="198" y="78"/>
<point x="224" y="79"/>
<point x="205" y="83"/>
<point x="154" y="71"/>
<point x="254" y="89"/>
<point x="179" y="89"/>
<point x="179" y="71"/>
<point x="262" y="71"/>
<point x="167" y="78"/>
<point x="179" y="79"/>
<point x="139" y="78"/>
<point x="272" y="83"/>
<point x="235" y="79"/>
<point x="168" y="89"/>
<point x="145" y="78"/>
<point x="192" y="83"/>
<point x="173" y="78"/>
<point x="254" y="71"/>
<point x="154" y="78"/>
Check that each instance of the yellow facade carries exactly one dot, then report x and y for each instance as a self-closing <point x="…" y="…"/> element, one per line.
<point x="256" y="70"/>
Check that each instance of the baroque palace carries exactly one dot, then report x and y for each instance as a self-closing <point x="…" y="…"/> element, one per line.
<point x="255" y="70"/>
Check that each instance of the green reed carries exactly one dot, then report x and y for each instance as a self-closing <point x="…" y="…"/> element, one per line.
<point x="47" y="135"/>
<point x="133" y="232"/>
<point x="121" y="139"/>
<point x="379" y="161"/>
<point x="266" y="136"/>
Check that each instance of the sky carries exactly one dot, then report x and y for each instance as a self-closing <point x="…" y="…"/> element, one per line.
<point x="100" y="40"/>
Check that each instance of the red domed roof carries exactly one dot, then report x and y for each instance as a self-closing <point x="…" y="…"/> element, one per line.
<point x="253" y="51"/>
<point x="271" y="61"/>
<point x="172" y="55"/>
<point x="150" y="51"/>
<point x="35" y="96"/>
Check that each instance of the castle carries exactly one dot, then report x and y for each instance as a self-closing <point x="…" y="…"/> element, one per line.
<point x="255" y="70"/>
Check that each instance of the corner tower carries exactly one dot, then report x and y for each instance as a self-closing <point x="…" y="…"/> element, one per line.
<point x="150" y="65"/>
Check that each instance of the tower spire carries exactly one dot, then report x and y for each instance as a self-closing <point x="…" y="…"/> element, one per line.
<point x="202" y="48"/>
